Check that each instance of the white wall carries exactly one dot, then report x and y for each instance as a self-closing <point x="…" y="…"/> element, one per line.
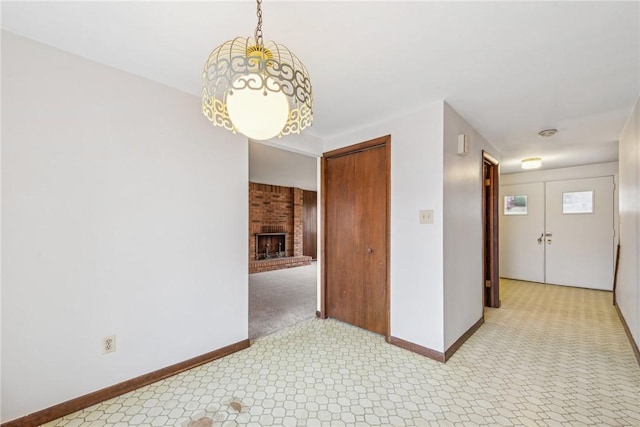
<point x="116" y="196"/>
<point x="463" y="227"/>
<point x="305" y="143"/>
<point x="576" y="172"/>
<point x="628" y="287"/>
<point x="416" y="250"/>
<point x="436" y="270"/>
<point x="276" y="166"/>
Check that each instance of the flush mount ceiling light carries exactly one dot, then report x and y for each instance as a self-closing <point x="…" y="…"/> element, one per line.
<point x="547" y="133"/>
<point x="531" y="163"/>
<point x="257" y="88"/>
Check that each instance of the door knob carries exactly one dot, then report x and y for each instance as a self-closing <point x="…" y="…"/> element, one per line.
<point x="540" y="239"/>
<point x="369" y="250"/>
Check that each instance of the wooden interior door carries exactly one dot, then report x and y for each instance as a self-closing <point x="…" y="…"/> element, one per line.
<point x="310" y="223"/>
<point x="356" y="243"/>
<point x="490" y="190"/>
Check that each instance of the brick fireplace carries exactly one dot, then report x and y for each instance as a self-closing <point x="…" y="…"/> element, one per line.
<point x="275" y="219"/>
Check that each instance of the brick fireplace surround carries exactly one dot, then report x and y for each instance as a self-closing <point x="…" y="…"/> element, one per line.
<point x="276" y="209"/>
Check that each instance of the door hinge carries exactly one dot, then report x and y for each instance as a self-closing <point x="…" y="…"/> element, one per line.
<point x="487" y="283"/>
<point x="487" y="182"/>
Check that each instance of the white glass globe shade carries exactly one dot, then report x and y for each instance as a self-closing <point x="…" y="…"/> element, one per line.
<point x="255" y="114"/>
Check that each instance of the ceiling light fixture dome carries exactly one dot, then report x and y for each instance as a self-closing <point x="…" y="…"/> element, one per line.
<point x="531" y="163"/>
<point x="260" y="89"/>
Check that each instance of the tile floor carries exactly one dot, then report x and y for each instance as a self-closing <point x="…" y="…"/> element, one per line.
<point x="550" y="356"/>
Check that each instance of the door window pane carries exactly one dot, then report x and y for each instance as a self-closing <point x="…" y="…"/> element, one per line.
<point x="577" y="202"/>
<point x="515" y="205"/>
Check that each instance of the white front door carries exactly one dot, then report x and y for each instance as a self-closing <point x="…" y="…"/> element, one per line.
<point x="579" y="232"/>
<point x="558" y="232"/>
<point x="521" y="228"/>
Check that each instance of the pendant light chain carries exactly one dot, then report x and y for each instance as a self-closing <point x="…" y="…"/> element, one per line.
<point x="258" y="33"/>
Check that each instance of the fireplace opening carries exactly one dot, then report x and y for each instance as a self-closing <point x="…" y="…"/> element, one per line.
<point x="270" y="245"/>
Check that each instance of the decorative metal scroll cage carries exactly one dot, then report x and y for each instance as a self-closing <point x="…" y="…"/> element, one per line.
<point x="272" y="67"/>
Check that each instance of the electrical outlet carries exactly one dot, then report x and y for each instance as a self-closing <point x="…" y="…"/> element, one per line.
<point x="109" y="344"/>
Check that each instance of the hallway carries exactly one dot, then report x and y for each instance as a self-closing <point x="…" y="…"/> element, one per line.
<point x="550" y="355"/>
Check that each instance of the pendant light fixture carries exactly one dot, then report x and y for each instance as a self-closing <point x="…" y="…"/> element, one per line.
<point x="260" y="89"/>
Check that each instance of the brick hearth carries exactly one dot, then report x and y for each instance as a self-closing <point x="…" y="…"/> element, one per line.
<point x="278" y="263"/>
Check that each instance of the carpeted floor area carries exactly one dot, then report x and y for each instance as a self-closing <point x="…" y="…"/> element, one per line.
<point x="281" y="298"/>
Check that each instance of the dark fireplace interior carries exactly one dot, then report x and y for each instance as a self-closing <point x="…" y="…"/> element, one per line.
<point x="270" y="245"/>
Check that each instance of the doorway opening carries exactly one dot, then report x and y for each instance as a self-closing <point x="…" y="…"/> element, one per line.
<point x="281" y="298"/>
<point x="282" y="231"/>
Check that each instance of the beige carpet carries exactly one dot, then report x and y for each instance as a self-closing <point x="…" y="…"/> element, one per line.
<point x="281" y="298"/>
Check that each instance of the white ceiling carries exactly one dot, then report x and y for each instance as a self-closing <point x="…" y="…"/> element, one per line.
<point x="510" y="69"/>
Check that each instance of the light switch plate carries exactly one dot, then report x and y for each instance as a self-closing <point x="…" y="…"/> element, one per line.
<point x="426" y="216"/>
